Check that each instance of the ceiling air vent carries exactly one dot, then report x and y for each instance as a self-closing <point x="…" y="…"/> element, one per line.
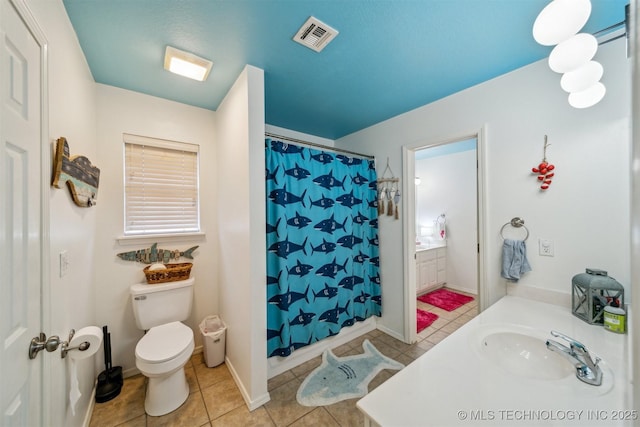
<point x="315" y="34"/>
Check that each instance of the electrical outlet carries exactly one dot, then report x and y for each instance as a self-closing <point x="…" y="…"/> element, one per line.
<point x="545" y="247"/>
<point x="64" y="263"/>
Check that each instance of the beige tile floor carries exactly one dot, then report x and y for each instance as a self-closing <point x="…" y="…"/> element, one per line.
<point x="215" y="400"/>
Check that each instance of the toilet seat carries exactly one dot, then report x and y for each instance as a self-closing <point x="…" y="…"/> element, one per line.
<point x="165" y="342"/>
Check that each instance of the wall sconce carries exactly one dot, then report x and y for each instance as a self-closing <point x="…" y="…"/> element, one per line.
<point x="558" y="24"/>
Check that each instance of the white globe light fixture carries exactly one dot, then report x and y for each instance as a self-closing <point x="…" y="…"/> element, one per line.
<point x="572" y="53"/>
<point x="560" y="20"/>
<point x="582" y="78"/>
<point x="588" y="97"/>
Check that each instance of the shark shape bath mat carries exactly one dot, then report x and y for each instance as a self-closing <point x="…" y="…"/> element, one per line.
<point x="340" y="378"/>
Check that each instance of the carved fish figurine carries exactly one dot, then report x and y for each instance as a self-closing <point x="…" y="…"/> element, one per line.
<point x="153" y="254"/>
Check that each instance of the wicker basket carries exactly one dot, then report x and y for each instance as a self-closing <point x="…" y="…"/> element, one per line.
<point x="172" y="273"/>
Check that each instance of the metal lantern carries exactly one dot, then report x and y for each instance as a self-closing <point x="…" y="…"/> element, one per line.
<point x="591" y="292"/>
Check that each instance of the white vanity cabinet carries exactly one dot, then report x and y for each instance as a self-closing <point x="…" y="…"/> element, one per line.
<point x="431" y="266"/>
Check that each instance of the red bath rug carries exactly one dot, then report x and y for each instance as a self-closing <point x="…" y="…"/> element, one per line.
<point x="425" y="319"/>
<point x="445" y="299"/>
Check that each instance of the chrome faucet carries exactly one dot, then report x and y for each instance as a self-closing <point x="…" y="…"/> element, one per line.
<point x="587" y="370"/>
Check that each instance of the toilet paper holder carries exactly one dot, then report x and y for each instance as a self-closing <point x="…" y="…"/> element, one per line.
<point x="53" y="342"/>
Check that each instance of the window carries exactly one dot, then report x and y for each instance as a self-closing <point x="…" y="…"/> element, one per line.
<point x="160" y="186"/>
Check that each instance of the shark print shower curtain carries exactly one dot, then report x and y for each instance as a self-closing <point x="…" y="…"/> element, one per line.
<point x="322" y="245"/>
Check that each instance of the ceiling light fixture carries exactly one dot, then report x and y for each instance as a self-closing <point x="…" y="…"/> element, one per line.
<point x="582" y="78"/>
<point x="558" y="24"/>
<point x="186" y="64"/>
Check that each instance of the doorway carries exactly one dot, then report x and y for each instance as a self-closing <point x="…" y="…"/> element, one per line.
<point x="444" y="220"/>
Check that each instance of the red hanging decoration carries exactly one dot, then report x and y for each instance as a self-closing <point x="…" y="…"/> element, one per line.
<point x="545" y="170"/>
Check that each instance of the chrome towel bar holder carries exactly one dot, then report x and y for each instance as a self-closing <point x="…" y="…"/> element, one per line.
<point x="515" y="222"/>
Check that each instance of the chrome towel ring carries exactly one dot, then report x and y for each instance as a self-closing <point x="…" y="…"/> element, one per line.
<point x="516" y="222"/>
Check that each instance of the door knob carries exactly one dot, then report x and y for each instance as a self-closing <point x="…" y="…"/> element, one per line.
<point x="41" y="342"/>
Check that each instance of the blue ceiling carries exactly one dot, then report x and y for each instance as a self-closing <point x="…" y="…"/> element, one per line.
<point x="390" y="56"/>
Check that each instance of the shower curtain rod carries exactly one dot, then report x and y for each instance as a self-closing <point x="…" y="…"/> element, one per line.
<point x="323" y="147"/>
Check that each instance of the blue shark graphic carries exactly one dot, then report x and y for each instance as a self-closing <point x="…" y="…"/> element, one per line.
<point x="274" y="280"/>
<point x="323" y="158"/>
<point x="359" y="179"/>
<point x="373" y="241"/>
<point x="377" y="299"/>
<point x="348" y="200"/>
<point x="349" y="241"/>
<point x="284" y="301"/>
<point x="348" y="322"/>
<point x="341" y="378"/>
<point x="272" y="175"/>
<point x="361" y="257"/>
<point x="360" y="219"/>
<point x="331" y="316"/>
<point x="285" y="248"/>
<point x="373" y="185"/>
<point x="330" y="225"/>
<point x="375" y="279"/>
<point x="298" y="221"/>
<point x="374" y="223"/>
<point x="373" y="204"/>
<point x="326" y="247"/>
<point x="348" y="160"/>
<point x="331" y="269"/>
<point x="375" y="261"/>
<point x="327" y="292"/>
<point x="282" y="352"/>
<point x="323" y="202"/>
<point x="362" y="298"/>
<point x="302" y="319"/>
<point x="299" y="269"/>
<point x="284" y="148"/>
<point x="350" y="282"/>
<point x="273" y="228"/>
<point x="272" y="333"/>
<point x="283" y="197"/>
<point x="328" y="181"/>
<point x="298" y="172"/>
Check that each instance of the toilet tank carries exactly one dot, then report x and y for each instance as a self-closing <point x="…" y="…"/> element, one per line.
<point x="155" y="305"/>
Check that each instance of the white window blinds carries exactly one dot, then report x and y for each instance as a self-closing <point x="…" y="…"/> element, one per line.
<point x="161" y="186"/>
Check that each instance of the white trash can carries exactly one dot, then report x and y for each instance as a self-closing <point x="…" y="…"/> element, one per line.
<point x="213" y="332"/>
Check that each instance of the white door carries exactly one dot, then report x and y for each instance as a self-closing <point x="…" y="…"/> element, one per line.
<point x="21" y="204"/>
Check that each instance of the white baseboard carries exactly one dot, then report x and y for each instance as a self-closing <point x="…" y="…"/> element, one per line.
<point x="391" y="332"/>
<point x="251" y="404"/>
<point x="460" y="288"/>
<point x="277" y="365"/>
<point x="92" y="404"/>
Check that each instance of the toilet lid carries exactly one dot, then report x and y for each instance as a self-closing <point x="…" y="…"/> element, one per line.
<point x="164" y="342"/>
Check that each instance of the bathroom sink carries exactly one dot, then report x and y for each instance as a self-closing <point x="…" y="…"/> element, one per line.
<point x="522" y="352"/>
<point x="524" y="355"/>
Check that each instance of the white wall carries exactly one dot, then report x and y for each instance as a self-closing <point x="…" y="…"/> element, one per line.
<point x="448" y="186"/>
<point x="72" y="114"/>
<point x="122" y="111"/>
<point x="241" y="222"/>
<point x="634" y="330"/>
<point x="586" y="210"/>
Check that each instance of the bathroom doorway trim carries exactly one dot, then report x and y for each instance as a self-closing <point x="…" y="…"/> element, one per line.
<point x="409" y="221"/>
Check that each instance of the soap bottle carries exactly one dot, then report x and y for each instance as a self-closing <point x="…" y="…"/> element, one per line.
<point x="614" y="317"/>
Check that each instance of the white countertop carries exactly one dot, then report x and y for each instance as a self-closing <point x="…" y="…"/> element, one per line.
<point x="421" y="247"/>
<point x="452" y="384"/>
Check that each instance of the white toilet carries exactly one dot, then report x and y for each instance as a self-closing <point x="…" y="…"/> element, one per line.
<point x="167" y="345"/>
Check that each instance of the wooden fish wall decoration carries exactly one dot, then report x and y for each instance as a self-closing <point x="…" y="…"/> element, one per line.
<point x="81" y="176"/>
<point x="153" y="254"/>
